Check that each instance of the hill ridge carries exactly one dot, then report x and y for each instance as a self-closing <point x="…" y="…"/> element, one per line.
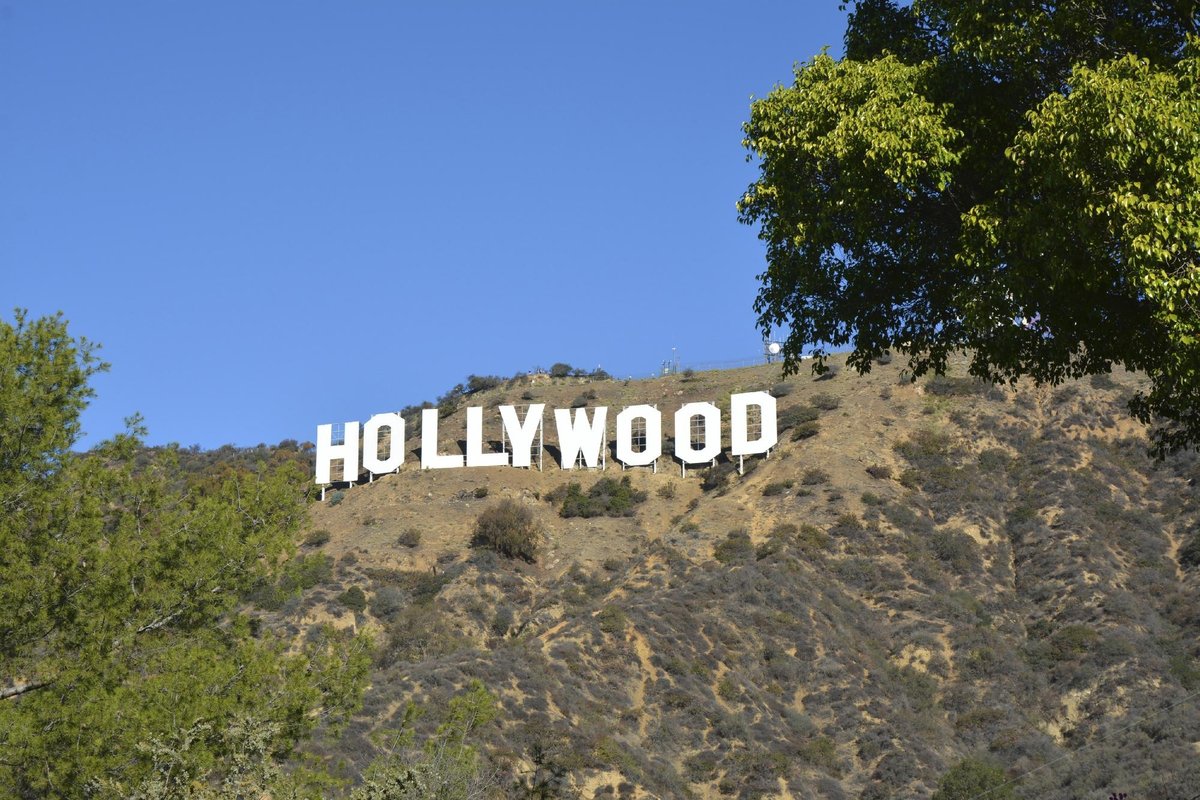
<point x="925" y="572"/>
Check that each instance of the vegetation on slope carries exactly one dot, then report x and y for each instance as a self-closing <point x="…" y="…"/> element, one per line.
<point x="125" y="666"/>
<point x="952" y="576"/>
<point x="950" y="584"/>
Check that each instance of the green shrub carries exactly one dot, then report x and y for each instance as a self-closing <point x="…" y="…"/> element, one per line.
<point x="919" y="687"/>
<point x="608" y="497"/>
<point x="306" y="572"/>
<point x="1072" y="641"/>
<point x="978" y="718"/>
<point x="560" y="370"/>
<point x="316" y="538"/>
<point x="418" y="632"/>
<point x="578" y="504"/>
<point x="797" y="415"/>
<point x="806" y="430"/>
<point x="814" y="476"/>
<point x="846" y="525"/>
<point x="298" y="575"/>
<point x="612" y="620"/>
<point x="717" y="476"/>
<point x="972" y="778"/>
<point x="810" y="537"/>
<point x="411" y="537"/>
<point x="994" y="460"/>
<point x="772" y="545"/>
<point x="1186" y="670"/>
<point x="555" y="496"/>
<point x="354" y="599"/>
<point x="956" y="549"/>
<point x="502" y="621"/>
<point x="583" y="399"/>
<point x="925" y="447"/>
<point x="481" y="383"/>
<point x="821" y="752"/>
<point x="700" y="767"/>
<point x="337" y="497"/>
<point x="735" y="547"/>
<point x="607" y="751"/>
<point x="508" y="528"/>
<point x="776" y="488"/>
<point x="825" y="402"/>
<point x="419" y="584"/>
<point x="386" y="602"/>
<point x="781" y="390"/>
<point x="944" y="386"/>
<point x="1189" y="554"/>
<point x="480" y="492"/>
<point x="618" y="497"/>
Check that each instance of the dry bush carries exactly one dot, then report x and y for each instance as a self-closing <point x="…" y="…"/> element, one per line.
<point x="508" y="528"/>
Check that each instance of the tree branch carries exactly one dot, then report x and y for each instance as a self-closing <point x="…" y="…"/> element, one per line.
<point x="22" y="688"/>
<point x="160" y="622"/>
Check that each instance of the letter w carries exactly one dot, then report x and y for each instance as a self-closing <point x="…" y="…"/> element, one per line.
<point x="580" y="436"/>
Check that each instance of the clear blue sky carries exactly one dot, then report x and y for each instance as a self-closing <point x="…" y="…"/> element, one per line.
<point x="277" y="214"/>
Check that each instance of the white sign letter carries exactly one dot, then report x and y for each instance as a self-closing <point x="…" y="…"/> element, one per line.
<point x="370" y="456"/>
<point x="429" y="454"/>
<point x="580" y="436"/>
<point x="521" y="434"/>
<point x="327" y="451"/>
<point x="739" y="405"/>
<point x="475" y="455"/>
<point x="710" y="444"/>
<point x="625" y="453"/>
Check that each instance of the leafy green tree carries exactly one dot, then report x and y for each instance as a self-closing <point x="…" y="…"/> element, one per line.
<point x="125" y="669"/>
<point x="44" y="376"/>
<point x="970" y="779"/>
<point x="1018" y="180"/>
<point x="354" y="599"/>
<point x="446" y="768"/>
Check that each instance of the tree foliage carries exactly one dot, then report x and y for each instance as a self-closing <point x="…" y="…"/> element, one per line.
<point x="970" y="779"/>
<point x="125" y="669"/>
<point x="446" y="768"/>
<point x="1019" y="180"/>
<point x="44" y="376"/>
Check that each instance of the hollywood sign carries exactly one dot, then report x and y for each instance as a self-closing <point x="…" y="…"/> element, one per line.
<point x="581" y="438"/>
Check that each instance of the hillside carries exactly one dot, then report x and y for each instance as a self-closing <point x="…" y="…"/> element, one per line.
<point x="924" y="572"/>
